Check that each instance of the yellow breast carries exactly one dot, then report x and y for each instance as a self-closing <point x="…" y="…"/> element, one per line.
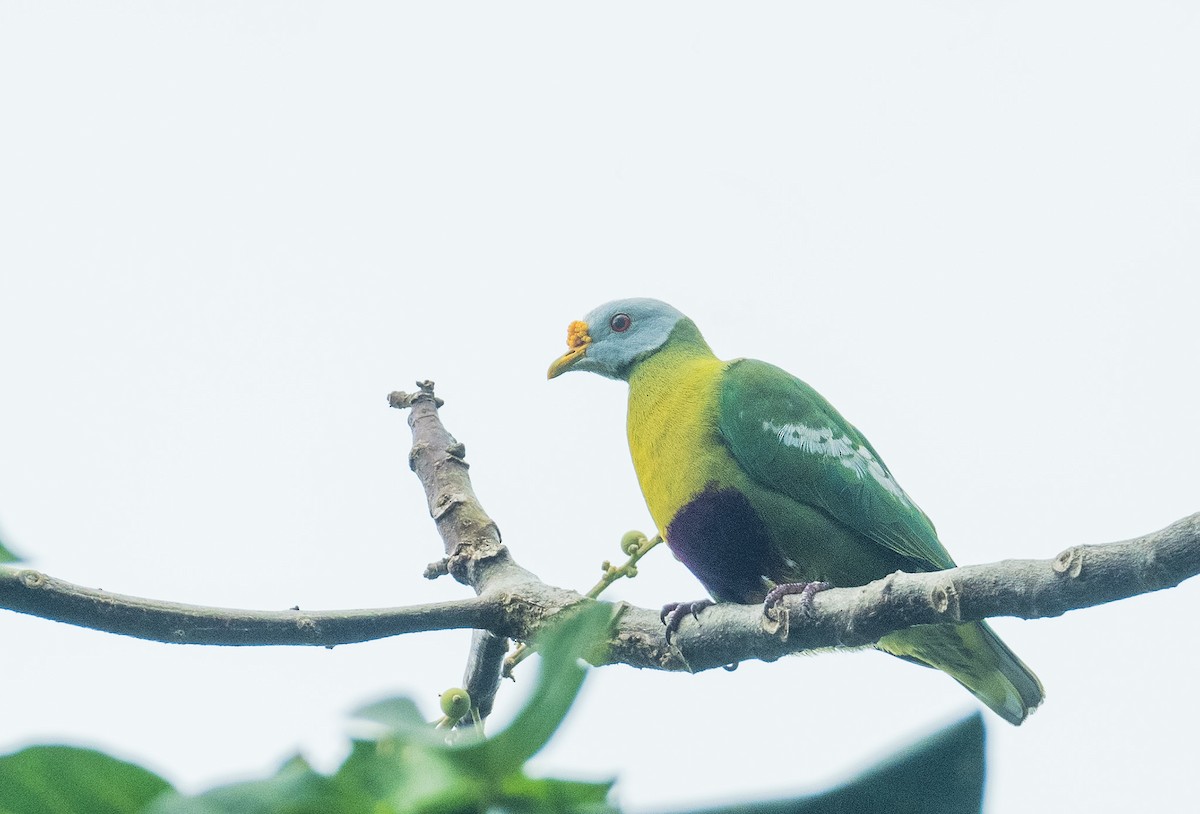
<point x="673" y="436"/>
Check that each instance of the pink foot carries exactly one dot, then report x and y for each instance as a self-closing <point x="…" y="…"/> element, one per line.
<point x="673" y="613"/>
<point x="806" y="590"/>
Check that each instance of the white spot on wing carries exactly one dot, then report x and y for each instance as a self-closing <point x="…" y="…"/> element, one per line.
<point x="822" y="441"/>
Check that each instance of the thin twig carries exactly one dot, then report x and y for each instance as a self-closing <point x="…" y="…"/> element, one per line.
<point x="482" y="675"/>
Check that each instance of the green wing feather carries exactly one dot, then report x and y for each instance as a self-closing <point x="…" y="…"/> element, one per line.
<point x="791" y="440"/>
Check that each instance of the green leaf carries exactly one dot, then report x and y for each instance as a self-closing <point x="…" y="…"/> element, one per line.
<point x="69" y="780"/>
<point x="559" y="681"/>
<point x="295" y="789"/>
<point x="404" y="775"/>
<point x="532" y="794"/>
<point x="412" y="769"/>
<point x="397" y="715"/>
<point x="942" y="774"/>
<point x="403" y="722"/>
<point x="6" y="555"/>
<point x="415" y="770"/>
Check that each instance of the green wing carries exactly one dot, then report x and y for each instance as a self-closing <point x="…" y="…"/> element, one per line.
<point x="791" y="440"/>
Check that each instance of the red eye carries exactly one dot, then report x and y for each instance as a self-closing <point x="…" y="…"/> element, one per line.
<point x="620" y="323"/>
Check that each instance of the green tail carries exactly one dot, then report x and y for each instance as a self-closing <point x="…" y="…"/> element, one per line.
<point x="973" y="655"/>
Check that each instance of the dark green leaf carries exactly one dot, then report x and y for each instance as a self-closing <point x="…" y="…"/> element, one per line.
<point x="68" y="780"/>
<point x="942" y="774"/>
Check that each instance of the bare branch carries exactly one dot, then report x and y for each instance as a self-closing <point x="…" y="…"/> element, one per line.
<point x="481" y="679"/>
<point x="1078" y="577"/>
<point x="474" y="553"/>
<point x="27" y="591"/>
<point x="514" y="603"/>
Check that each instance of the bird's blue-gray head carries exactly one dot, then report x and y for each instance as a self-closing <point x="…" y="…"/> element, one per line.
<point x="611" y="338"/>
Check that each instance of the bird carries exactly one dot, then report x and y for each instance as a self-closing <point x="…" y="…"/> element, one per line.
<point x="761" y="488"/>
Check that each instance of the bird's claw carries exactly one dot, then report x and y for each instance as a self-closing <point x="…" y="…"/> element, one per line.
<point x="806" y="590"/>
<point x="673" y="613"/>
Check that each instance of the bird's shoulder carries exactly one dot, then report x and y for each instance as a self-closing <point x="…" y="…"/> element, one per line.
<point x="764" y="405"/>
<point x="790" y="439"/>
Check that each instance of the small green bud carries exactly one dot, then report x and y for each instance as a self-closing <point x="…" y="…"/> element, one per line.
<point x="632" y="541"/>
<point x="456" y="703"/>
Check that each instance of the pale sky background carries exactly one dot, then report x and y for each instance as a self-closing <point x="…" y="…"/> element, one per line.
<point x="227" y="230"/>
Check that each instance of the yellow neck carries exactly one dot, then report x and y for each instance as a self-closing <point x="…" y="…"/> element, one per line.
<point x="673" y="400"/>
